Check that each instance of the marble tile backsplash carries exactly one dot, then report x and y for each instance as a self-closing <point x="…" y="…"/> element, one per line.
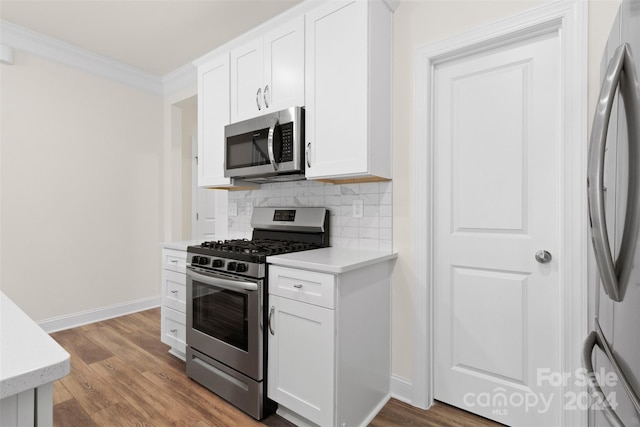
<point x="373" y="231"/>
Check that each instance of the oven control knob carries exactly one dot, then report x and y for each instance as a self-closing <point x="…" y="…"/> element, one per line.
<point x="241" y="268"/>
<point x="195" y="260"/>
<point x="203" y="260"/>
<point x="217" y="263"/>
<point x="231" y="266"/>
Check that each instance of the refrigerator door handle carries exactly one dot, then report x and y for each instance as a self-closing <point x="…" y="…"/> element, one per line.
<point x="597" y="338"/>
<point x="620" y="73"/>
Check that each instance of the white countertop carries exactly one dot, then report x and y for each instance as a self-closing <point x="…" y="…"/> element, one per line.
<point x="29" y="357"/>
<point x="180" y="245"/>
<point x="331" y="260"/>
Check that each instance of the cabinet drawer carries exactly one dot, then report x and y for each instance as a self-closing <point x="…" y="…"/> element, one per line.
<point x="174" y="330"/>
<point x="174" y="260"/>
<point x="174" y="290"/>
<point x="301" y="285"/>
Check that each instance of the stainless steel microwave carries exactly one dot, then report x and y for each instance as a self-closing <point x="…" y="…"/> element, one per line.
<point x="266" y="148"/>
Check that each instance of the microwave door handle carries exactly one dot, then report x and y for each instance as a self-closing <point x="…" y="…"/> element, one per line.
<point x="610" y="272"/>
<point x="272" y="131"/>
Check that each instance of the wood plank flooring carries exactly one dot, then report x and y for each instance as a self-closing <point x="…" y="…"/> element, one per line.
<point x="122" y="375"/>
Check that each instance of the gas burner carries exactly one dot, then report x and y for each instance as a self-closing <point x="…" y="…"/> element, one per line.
<point x="276" y="231"/>
<point x="258" y="246"/>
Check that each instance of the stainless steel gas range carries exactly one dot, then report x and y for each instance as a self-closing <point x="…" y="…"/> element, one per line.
<point x="227" y="292"/>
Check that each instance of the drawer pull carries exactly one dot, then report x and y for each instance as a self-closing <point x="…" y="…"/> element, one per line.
<point x="175" y="261"/>
<point x="174" y="331"/>
<point x="174" y="291"/>
<point x="297" y="286"/>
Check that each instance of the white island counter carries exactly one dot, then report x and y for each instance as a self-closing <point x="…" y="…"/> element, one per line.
<point x="30" y="361"/>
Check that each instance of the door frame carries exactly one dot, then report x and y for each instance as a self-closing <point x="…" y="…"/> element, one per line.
<point x="195" y="223"/>
<point x="568" y="20"/>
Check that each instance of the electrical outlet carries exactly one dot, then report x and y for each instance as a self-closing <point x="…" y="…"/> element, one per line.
<point x="233" y="209"/>
<point x="358" y="208"/>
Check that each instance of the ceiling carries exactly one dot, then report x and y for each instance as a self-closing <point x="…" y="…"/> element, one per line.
<point x="151" y="35"/>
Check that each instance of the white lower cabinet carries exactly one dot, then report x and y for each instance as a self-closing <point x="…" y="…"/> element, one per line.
<point x="33" y="407"/>
<point x="302" y="333"/>
<point x="329" y="344"/>
<point x="173" y="310"/>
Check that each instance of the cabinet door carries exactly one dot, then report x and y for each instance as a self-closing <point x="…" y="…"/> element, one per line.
<point x="213" y="115"/>
<point x="302" y="359"/>
<point x="336" y="89"/>
<point x="284" y="66"/>
<point x="247" y="98"/>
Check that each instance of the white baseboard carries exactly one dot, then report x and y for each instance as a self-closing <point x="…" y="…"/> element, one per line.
<point x="96" y="315"/>
<point x="401" y="389"/>
<point x="294" y="418"/>
<point x="375" y="411"/>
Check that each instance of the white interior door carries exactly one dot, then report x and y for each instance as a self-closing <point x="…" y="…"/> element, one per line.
<point x="497" y="202"/>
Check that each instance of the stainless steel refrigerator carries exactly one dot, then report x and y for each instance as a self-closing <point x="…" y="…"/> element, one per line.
<point x="611" y="353"/>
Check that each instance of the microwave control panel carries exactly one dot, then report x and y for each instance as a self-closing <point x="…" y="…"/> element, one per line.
<point x="286" y="150"/>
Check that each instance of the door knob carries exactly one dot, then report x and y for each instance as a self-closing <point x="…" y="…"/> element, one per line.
<point x="543" y="257"/>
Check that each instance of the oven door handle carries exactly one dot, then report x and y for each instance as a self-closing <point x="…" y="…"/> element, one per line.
<point x="233" y="285"/>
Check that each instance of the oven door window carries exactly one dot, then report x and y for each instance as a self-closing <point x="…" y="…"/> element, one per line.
<point x="222" y="314"/>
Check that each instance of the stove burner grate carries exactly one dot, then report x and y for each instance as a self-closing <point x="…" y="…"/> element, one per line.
<point x="258" y="246"/>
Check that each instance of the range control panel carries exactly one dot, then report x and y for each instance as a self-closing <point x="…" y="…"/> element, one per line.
<point x="226" y="265"/>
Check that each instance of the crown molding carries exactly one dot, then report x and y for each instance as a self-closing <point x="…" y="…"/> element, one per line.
<point x="182" y="78"/>
<point x="22" y="39"/>
<point x="6" y="55"/>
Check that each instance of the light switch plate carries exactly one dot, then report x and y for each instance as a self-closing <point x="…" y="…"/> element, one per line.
<point x="358" y="208"/>
<point x="233" y="209"/>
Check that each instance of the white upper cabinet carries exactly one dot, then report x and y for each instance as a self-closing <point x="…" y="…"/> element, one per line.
<point x="348" y="91"/>
<point x="267" y="74"/>
<point x="213" y="115"/>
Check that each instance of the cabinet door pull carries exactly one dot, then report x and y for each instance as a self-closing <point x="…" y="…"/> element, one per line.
<point x="174" y="331"/>
<point x="273" y="309"/>
<point x="297" y="286"/>
<point x="258" y="93"/>
<point x="266" y="96"/>
<point x="174" y="261"/>
<point x="306" y="154"/>
<point x="174" y="291"/>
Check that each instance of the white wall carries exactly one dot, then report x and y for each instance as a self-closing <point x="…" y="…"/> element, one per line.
<point x="81" y="167"/>
<point x="189" y="113"/>
<point x="416" y="24"/>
